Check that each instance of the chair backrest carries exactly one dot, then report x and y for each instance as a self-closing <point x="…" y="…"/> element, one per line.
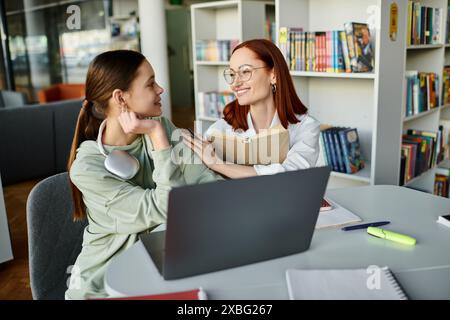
<point x="12" y="99"/>
<point x="54" y="240"/>
<point x="62" y="91"/>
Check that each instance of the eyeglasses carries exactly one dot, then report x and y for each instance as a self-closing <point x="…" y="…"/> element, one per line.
<point x="244" y="73"/>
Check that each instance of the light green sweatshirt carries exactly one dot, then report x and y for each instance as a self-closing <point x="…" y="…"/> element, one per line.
<point x="119" y="210"/>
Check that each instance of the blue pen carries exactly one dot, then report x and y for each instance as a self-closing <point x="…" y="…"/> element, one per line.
<point x="366" y="225"/>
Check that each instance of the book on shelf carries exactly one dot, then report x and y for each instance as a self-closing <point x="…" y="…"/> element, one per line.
<point x="214" y="50"/>
<point x="267" y="147"/>
<point x="328" y="51"/>
<point x="422" y="150"/>
<point x="441" y="186"/>
<point x="211" y="104"/>
<point x="340" y="149"/>
<point x="421" y="92"/>
<point x="423" y="24"/>
<point x="194" y="294"/>
<point x="448" y="26"/>
<point x="444" y="128"/>
<point x="270" y="30"/>
<point x="358" y="37"/>
<point x="402" y="168"/>
<point x="441" y="182"/>
<point x="446" y="85"/>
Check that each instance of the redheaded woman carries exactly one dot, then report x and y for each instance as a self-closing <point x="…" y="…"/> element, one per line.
<point x="266" y="97"/>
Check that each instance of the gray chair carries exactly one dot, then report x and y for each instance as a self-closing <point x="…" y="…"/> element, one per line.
<point x="54" y="240"/>
<point x="12" y="99"/>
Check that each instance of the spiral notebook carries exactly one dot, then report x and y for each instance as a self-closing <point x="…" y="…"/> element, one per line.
<point x="346" y="284"/>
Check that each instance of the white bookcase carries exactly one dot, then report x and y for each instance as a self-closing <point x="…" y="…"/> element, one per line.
<point x="222" y="20"/>
<point x="371" y="102"/>
<point x="429" y="58"/>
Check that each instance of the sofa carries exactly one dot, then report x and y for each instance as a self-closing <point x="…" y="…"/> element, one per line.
<point x="62" y="91"/>
<point x="35" y="140"/>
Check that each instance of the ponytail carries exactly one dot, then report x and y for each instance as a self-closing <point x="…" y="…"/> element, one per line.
<point x="86" y="129"/>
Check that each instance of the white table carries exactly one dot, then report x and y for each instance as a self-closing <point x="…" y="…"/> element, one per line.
<point x="422" y="270"/>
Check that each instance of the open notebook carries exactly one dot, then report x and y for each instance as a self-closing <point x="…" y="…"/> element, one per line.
<point x="345" y="284"/>
<point x="335" y="216"/>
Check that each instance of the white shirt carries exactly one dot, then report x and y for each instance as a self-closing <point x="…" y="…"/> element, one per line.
<point x="303" y="142"/>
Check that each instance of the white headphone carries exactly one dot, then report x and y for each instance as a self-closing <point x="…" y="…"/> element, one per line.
<point x="118" y="162"/>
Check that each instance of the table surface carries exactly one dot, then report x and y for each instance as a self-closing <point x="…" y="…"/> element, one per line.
<point x="422" y="270"/>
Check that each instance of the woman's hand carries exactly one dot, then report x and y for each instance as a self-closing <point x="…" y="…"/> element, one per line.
<point x="133" y="124"/>
<point x="203" y="149"/>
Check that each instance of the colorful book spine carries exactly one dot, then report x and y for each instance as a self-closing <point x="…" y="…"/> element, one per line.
<point x="423" y="24"/>
<point x="212" y="50"/>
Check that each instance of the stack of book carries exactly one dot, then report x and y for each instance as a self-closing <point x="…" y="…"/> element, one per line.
<point x="446" y="85"/>
<point x="421" y="150"/>
<point x="424" y="24"/>
<point x="340" y="148"/>
<point x="211" y="104"/>
<point x="215" y="50"/>
<point x="330" y="51"/>
<point x="422" y="92"/>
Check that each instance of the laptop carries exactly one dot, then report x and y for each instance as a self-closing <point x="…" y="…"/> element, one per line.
<point x="225" y="224"/>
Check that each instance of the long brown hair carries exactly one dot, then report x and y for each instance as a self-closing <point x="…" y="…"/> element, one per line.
<point x="108" y="71"/>
<point x="287" y="103"/>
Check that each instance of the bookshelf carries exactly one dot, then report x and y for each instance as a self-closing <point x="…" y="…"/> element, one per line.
<point x="223" y="20"/>
<point x="429" y="58"/>
<point x="361" y="100"/>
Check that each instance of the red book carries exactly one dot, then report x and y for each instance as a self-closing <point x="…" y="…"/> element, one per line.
<point x="196" y="294"/>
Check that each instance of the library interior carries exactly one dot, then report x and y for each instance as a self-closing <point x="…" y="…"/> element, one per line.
<point x="326" y="122"/>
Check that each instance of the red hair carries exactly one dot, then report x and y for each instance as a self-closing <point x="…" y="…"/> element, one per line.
<point x="287" y="102"/>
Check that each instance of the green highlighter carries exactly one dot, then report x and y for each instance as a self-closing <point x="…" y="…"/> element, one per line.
<point x="390" y="235"/>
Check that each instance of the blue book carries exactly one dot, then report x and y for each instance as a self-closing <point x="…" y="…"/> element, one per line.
<point x="335" y="51"/>
<point x="330" y="143"/>
<point x="338" y="149"/>
<point x="351" y="143"/>
<point x="345" y="151"/>
<point x="325" y="149"/>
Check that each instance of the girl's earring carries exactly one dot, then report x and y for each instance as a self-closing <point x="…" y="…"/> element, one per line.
<point x="274" y="87"/>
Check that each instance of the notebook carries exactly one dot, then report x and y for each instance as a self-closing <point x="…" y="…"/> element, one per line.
<point x="267" y="147"/>
<point x="195" y="294"/>
<point x="335" y="217"/>
<point x="345" y="284"/>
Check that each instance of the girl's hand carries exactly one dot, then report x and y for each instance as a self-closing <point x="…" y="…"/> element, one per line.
<point x="132" y="124"/>
<point x="204" y="149"/>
